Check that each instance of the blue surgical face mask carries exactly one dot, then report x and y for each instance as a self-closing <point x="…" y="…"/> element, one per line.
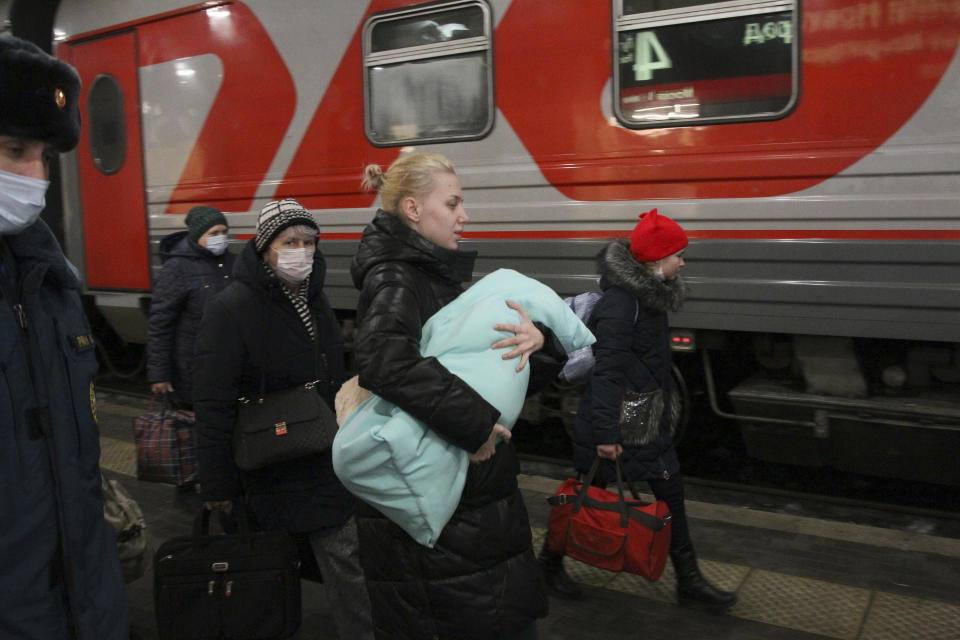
<point x="21" y="201"/>
<point x="217" y="244"/>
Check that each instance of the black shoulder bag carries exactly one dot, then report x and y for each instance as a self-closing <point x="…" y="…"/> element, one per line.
<point x="283" y="425"/>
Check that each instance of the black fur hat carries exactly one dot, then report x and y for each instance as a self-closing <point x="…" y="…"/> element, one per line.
<point x="38" y="95"/>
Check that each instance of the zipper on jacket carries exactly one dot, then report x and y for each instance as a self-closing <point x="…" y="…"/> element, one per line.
<point x="21" y="316"/>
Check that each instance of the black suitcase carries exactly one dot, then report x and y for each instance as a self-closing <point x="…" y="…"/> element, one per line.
<point x="243" y="586"/>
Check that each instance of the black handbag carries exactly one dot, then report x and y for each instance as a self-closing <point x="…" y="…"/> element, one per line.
<point x="282" y="425"/>
<point x="243" y="586"/>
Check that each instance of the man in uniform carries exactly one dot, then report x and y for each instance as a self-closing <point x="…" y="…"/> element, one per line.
<point x="59" y="573"/>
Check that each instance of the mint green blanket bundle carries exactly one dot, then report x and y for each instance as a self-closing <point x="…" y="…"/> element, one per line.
<point x="399" y="465"/>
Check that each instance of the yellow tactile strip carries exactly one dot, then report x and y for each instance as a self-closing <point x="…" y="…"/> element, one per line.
<point x="813" y="606"/>
<point x="724" y="576"/>
<point x="895" y="617"/>
<point x="118" y="456"/>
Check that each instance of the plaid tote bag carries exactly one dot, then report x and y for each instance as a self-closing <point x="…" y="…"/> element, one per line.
<point x="166" y="445"/>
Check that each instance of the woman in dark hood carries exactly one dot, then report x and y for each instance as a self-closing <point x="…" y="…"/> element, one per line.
<point x="196" y="267"/>
<point x="628" y="410"/>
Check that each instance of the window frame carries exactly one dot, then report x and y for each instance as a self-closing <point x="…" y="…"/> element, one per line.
<point x="717" y="10"/>
<point x="425" y="52"/>
<point x="95" y="118"/>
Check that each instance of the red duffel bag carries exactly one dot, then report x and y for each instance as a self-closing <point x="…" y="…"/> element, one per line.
<point x="605" y="530"/>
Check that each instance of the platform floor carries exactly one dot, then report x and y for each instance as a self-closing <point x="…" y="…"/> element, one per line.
<point x="800" y="573"/>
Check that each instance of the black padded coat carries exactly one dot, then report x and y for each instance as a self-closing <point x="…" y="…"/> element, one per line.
<point x="632" y="353"/>
<point x="190" y="277"/>
<point x="481" y="580"/>
<point x="252" y="329"/>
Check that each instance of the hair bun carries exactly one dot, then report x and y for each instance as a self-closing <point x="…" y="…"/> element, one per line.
<point x="373" y="177"/>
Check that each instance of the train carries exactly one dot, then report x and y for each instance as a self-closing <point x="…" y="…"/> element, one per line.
<point x="810" y="148"/>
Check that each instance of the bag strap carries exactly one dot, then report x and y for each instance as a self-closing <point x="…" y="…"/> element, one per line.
<point x="201" y="524"/>
<point x="626" y="508"/>
<point x="583" y="490"/>
<point x="318" y="354"/>
<point x="630" y="482"/>
<point x="165" y="402"/>
<point x="633" y="512"/>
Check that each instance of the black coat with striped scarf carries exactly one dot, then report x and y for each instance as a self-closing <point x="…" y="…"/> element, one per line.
<point x="252" y="329"/>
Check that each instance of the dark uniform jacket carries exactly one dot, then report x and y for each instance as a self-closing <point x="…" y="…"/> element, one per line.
<point x="190" y="277"/>
<point x="58" y="556"/>
<point x="632" y="353"/>
<point x="481" y="579"/>
<point x="251" y="330"/>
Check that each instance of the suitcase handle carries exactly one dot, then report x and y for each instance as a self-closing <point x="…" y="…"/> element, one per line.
<point x="201" y="524"/>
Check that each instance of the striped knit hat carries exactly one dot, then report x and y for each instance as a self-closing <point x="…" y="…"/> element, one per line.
<point x="277" y="216"/>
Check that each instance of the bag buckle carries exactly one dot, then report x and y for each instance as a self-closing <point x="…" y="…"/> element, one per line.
<point x="219" y="567"/>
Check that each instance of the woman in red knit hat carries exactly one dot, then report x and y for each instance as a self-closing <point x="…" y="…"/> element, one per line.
<point x="629" y="409"/>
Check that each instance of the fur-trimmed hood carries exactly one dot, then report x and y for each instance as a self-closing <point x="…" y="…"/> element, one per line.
<point x="618" y="267"/>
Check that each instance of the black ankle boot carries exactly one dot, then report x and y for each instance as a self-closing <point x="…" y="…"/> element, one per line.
<point x="555" y="576"/>
<point x="692" y="587"/>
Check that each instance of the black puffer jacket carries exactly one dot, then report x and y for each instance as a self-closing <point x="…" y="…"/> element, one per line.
<point x="481" y="580"/>
<point x="632" y="354"/>
<point x="252" y="329"/>
<point x="190" y="277"/>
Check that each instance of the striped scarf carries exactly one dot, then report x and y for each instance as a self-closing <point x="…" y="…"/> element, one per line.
<point x="299" y="301"/>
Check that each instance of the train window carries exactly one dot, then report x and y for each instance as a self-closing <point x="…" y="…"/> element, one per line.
<point x="427" y="74"/>
<point x="108" y="135"/>
<point x="696" y="61"/>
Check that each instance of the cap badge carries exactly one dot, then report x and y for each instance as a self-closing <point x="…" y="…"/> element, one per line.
<point x="60" y="97"/>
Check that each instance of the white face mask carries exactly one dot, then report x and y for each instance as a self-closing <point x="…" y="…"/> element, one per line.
<point x="293" y="265"/>
<point x="217" y="244"/>
<point x="21" y="201"/>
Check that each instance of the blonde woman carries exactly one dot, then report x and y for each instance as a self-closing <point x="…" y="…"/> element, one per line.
<point x="480" y="581"/>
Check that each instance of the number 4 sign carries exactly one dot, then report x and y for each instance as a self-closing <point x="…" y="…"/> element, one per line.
<point x="649" y="56"/>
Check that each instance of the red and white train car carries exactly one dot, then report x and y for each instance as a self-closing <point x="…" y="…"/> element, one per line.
<point x="811" y="148"/>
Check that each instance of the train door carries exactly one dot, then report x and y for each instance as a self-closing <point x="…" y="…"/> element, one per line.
<point x="110" y="163"/>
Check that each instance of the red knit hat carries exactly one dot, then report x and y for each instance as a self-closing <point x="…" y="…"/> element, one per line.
<point x="656" y="237"/>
